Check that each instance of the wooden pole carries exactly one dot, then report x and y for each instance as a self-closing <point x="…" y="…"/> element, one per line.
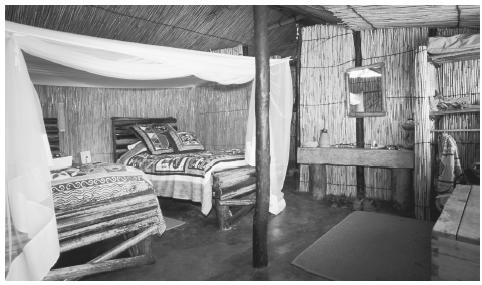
<point x="260" y="222"/>
<point x="360" y="135"/>
<point x="296" y="107"/>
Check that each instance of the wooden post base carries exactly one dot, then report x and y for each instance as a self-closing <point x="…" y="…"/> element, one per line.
<point x="233" y="188"/>
<point x="318" y="181"/>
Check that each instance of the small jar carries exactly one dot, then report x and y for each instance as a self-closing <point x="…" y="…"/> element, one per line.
<point x="324" y="140"/>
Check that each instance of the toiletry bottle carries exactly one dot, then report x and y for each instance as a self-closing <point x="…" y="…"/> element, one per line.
<point x="324" y="141"/>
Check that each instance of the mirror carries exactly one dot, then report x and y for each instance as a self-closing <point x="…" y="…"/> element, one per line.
<point x="366" y="91"/>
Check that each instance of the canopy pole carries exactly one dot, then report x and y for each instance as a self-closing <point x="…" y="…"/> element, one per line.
<point x="260" y="222"/>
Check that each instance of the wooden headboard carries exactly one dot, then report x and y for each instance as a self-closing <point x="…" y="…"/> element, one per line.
<point x="53" y="135"/>
<point x="122" y="135"/>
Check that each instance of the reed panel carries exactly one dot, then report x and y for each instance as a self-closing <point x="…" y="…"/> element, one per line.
<point x="425" y="85"/>
<point x="396" y="49"/>
<point x="88" y="112"/>
<point x="222" y="115"/>
<point x="460" y="79"/>
<point x="326" y="52"/>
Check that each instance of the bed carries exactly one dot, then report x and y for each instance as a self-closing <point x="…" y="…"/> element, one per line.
<point x="181" y="173"/>
<point x="96" y="202"/>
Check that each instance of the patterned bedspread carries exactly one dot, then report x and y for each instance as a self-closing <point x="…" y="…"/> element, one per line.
<point x="187" y="175"/>
<point x="99" y="183"/>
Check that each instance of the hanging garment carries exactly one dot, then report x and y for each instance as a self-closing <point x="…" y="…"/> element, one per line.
<point x="449" y="169"/>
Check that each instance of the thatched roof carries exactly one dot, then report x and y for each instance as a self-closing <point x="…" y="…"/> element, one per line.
<point x="382" y="16"/>
<point x="198" y="27"/>
<point x="204" y="27"/>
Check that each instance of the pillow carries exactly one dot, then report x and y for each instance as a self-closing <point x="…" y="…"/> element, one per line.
<point x="138" y="148"/>
<point x="157" y="137"/>
<point x="186" y="142"/>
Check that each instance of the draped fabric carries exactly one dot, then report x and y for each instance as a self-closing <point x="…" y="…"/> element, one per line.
<point x="29" y="210"/>
<point x="280" y="111"/>
<point x="31" y="242"/>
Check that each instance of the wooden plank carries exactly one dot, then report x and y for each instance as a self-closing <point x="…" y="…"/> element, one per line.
<point x="356" y="156"/>
<point x="242" y="190"/>
<point x="245" y="170"/>
<point x="238" y="202"/>
<point x="402" y="186"/>
<point x="450" y="268"/>
<point x="469" y="230"/>
<point x="126" y="244"/>
<point x="93" y="268"/>
<point x="121" y="220"/>
<point x="304" y="185"/>
<point x="454" y="248"/>
<point x="231" y="181"/>
<point x="448" y="223"/>
<point x="103" y="235"/>
<point x="468" y="109"/>
<point x="318" y="181"/>
<point x="260" y="220"/>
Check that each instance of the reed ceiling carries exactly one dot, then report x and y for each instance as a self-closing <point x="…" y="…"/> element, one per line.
<point x="197" y="27"/>
<point x="204" y="27"/>
<point x="383" y="16"/>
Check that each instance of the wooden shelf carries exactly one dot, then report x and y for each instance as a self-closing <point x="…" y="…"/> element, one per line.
<point x="469" y="109"/>
<point x="357" y="156"/>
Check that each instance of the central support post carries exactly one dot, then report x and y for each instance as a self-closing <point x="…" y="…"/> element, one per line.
<point x="260" y="222"/>
<point x="360" y="135"/>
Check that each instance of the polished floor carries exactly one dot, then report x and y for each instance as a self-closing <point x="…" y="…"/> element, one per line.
<point x="198" y="250"/>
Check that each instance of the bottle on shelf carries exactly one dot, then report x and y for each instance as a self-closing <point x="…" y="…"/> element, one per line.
<point x="324" y="140"/>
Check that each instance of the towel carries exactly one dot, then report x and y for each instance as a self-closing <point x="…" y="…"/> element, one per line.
<point x="449" y="169"/>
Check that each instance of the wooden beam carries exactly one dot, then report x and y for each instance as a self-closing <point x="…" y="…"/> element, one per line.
<point x="297" y="90"/>
<point x="260" y="221"/>
<point x="285" y="22"/>
<point x="357" y="156"/>
<point x="77" y="271"/>
<point x="315" y="13"/>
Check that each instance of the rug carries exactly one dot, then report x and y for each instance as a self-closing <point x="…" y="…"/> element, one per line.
<point x="172" y="223"/>
<point x="371" y="246"/>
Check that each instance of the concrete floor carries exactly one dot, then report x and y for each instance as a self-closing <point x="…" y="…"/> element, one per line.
<point x="198" y="250"/>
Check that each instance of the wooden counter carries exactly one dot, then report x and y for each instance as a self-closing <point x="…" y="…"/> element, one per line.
<point x="400" y="162"/>
<point x="456" y="237"/>
<point x="357" y="156"/>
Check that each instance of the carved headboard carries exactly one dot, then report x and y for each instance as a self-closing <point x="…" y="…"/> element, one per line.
<point x="122" y="135"/>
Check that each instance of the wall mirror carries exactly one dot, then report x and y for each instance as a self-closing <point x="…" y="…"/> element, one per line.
<point x="366" y="91"/>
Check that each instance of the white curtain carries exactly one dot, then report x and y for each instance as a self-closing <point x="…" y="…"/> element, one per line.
<point x="121" y="60"/>
<point x="31" y="241"/>
<point x="280" y="111"/>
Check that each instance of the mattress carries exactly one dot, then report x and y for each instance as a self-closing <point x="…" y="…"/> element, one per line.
<point x="185" y="176"/>
<point x="93" y="185"/>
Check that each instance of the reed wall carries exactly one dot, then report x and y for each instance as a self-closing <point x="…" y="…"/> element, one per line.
<point x="396" y="48"/>
<point x="216" y="114"/>
<point x="327" y="52"/>
<point x="461" y="79"/>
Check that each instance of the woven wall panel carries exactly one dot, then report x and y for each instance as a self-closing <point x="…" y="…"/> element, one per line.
<point x="215" y="118"/>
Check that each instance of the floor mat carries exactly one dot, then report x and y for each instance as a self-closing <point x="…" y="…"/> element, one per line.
<point x="371" y="246"/>
<point x="172" y="223"/>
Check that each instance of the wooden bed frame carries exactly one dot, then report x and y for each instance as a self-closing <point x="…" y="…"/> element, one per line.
<point x="122" y="135"/>
<point x="239" y="193"/>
